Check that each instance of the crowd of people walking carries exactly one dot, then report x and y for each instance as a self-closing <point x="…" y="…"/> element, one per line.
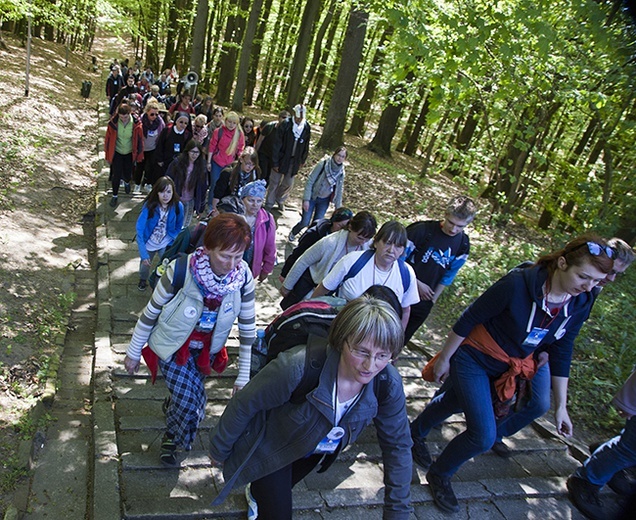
<point x="508" y="351"/>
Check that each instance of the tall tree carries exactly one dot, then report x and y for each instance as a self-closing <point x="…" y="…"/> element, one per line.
<point x="198" y="36"/>
<point x="333" y="132"/>
<point x="246" y="51"/>
<point x="305" y="35"/>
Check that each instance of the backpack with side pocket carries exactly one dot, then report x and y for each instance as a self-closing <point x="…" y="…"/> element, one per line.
<point x="308" y="323"/>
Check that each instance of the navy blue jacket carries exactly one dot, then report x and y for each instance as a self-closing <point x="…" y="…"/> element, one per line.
<point x="509" y="310"/>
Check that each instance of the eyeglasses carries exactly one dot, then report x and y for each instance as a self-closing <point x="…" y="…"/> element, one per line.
<point x="364" y="355"/>
<point x="198" y="126"/>
<point x="594" y="249"/>
<point x="152" y="114"/>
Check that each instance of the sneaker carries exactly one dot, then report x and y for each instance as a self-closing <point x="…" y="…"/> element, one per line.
<point x="442" y="492"/>
<point x="113" y="201"/>
<point x="292" y="237"/>
<point x="281" y="206"/>
<point x="168" y="454"/>
<point x="252" y="507"/>
<point x="148" y="188"/>
<point x="421" y="455"/>
<point x="127" y="187"/>
<point x="142" y="285"/>
<point x="501" y="450"/>
<point x="584" y="495"/>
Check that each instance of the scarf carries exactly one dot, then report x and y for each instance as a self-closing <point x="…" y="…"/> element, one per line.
<point x="333" y="171"/>
<point x="149" y="125"/>
<point x="297" y="129"/>
<point x="212" y="286"/>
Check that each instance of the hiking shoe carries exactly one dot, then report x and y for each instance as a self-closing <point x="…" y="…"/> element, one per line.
<point x="168" y="454"/>
<point x="127" y="187"/>
<point x="501" y="450"/>
<point x="584" y="495"/>
<point x="113" y="201"/>
<point x="292" y="237"/>
<point x="419" y="451"/>
<point x="442" y="492"/>
<point x="252" y="507"/>
<point x="142" y="285"/>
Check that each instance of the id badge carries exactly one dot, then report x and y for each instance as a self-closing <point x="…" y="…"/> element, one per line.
<point x="330" y="443"/>
<point x="534" y="338"/>
<point x="177" y="147"/>
<point x="207" y="321"/>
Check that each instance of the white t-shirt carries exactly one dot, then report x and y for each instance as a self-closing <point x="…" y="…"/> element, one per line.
<point x="370" y="275"/>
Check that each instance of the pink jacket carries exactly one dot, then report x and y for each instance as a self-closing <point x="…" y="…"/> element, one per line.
<point x="218" y="148"/>
<point x="264" y="244"/>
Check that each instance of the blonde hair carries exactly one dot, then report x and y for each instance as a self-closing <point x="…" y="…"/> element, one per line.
<point x="201" y="119"/>
<point x="238" y="131"/>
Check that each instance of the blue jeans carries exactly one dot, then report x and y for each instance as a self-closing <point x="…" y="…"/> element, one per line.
<point x="468" y="392"/>
<point x="611" y="457"/>
<point x="317" y="208"/>
<point x="537" y="406"/>
<point x="213" y="176"/>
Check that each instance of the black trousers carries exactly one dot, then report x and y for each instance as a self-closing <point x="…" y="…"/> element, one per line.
<point x="120" y="168"/>
<point x="273" y="492"/>
<point x="304" y="284"/>
<point x="419" y="313"/>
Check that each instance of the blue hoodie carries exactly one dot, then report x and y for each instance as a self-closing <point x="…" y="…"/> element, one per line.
<point x="512" y="307"/>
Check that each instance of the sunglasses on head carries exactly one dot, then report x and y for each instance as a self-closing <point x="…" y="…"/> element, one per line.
<point x="595" y="249"/>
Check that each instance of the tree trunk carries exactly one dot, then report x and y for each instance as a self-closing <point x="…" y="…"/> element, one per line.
<point x="227" y="64"/>
<point x="198" y="36"/>
<point x="169" y="56"/>
<point x="328" y="44"/>
<point x="306" y="31"/>
<point x="332" y="135"/>
<point x="364" y="105"/>
<point x="414" y="139"/>
<point x="387" y="127"/>
<point x="267" y="78"/>
<point x="256" y="52"/>
<point x="246" y="51"/>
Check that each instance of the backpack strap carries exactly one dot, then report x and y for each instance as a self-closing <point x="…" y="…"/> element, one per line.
<point x="357" y="266"/>
<point x="180" y="270"/>
<point x="362" y="261"/>
<point x="315" y="357"/>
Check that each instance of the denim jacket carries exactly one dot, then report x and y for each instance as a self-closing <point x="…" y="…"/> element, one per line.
<point x="260" y="431"/>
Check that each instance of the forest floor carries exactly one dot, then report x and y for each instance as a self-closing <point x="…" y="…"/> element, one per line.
<point x="48" y="169"/>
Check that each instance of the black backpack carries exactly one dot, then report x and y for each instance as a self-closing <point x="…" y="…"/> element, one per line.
<point x="307" y="323"/>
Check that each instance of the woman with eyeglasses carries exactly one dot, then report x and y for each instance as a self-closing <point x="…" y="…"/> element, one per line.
<point x="250" y="131"/>
<point x="152" y="125"/>
<point x="269" y="440"/>
<point x="190" y="177"/>
<point x="499" y="343"/>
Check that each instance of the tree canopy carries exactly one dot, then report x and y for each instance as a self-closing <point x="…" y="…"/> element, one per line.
<point x="528" y="103"/>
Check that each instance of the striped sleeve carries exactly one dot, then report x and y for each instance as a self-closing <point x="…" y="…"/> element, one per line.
<point x="163" y="293"/>
<point x="247" y="330"/>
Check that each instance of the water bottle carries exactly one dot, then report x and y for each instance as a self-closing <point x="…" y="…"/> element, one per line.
<point x="259" y="352"/>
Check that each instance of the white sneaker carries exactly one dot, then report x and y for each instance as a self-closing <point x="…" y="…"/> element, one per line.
<point x="148" y="188"/>
<point x="252" y="508"/>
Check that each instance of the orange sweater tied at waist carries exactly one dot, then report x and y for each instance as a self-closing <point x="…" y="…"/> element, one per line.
<point x="506" y="384"/>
